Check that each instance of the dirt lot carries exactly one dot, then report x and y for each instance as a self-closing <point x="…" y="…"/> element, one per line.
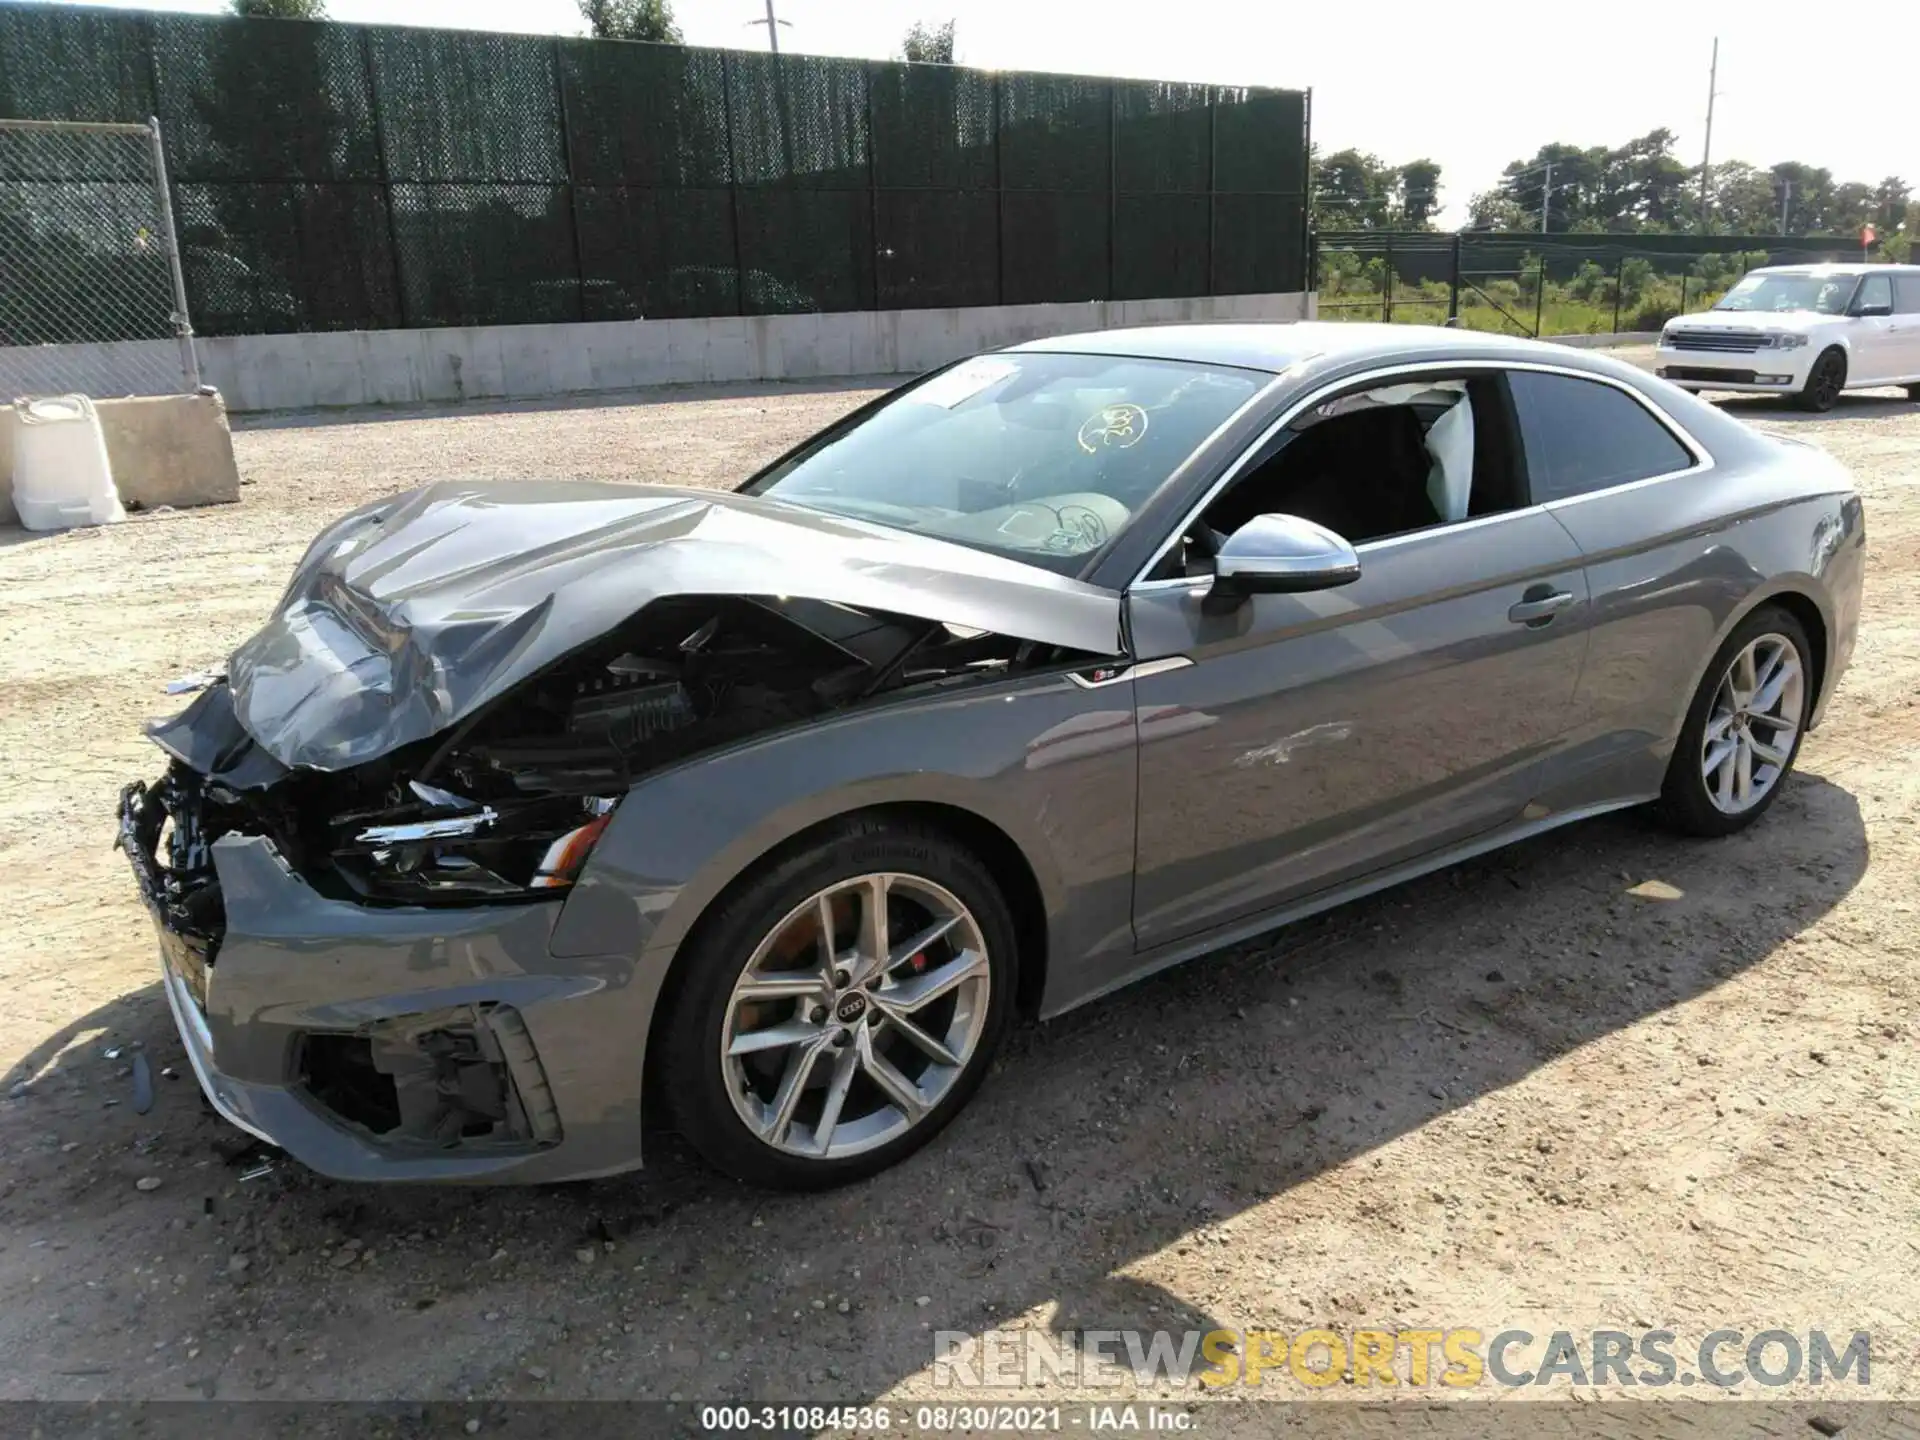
<point x="1526" y="1092"/>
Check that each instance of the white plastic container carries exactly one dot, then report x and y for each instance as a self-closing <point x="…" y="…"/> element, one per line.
<point x="61" y="477"/>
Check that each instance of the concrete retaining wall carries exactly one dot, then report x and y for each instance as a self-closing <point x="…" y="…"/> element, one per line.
<point x="164" y="449"/>
<point x="528" y="362"/>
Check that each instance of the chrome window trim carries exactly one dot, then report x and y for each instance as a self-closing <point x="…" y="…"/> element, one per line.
<point x="1703" y="458"/>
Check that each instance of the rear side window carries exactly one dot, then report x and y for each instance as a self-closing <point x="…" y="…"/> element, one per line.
<point x="1581" y="435"/>
<point x="1906" y="294"/>
<point x="1878" y="290"/>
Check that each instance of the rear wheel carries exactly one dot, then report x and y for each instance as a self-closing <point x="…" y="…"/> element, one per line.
<point x="1913" y="392"/>
<point x="1825" y="381"/>
<point x="841" y="1007"/>
<point x="1743" y="731"/>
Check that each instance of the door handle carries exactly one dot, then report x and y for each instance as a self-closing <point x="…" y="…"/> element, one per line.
<point x="1539" y="609"/>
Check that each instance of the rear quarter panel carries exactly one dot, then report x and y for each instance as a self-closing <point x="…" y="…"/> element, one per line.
<point x="1674" y="565"/>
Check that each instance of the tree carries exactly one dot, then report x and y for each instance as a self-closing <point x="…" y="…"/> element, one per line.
<point x="1638" y="186"/>
<point x="1647" y="187"/>
<point x="928" y="44"/>
<point x="1850" y="208"/>
<point x="631" y="20"/>
<point x="1890" y="200"/>
<point x="281" y="9"/>
<point x="1351" y="191"/>
<point x="1569" y="182"/>
<point x="1497" y="210"/>
<point x="1419" y="193"/>
<point x="1801" y="194"/>
<point x="1744" y="202"/>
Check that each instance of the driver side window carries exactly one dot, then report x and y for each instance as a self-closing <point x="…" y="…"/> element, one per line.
<point x="1378" y="461"/>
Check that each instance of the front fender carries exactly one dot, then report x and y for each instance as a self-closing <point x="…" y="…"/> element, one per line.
<point x="1047" y="761"/>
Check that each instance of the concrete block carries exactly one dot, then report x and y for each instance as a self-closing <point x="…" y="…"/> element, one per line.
<point x="736" y="347"/>
<point x="164" y="449"/>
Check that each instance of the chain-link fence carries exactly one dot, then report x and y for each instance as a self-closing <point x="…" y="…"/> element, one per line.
<point x="91" y="299"/>
<point x="1558" y="284"/>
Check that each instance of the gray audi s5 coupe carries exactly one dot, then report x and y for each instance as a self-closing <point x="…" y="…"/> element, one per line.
<point x="537" y="809"/>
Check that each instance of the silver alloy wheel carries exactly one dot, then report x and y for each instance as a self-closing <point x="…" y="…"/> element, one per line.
<point x="1753" y="723"/>
<point x="855" y="1015"/>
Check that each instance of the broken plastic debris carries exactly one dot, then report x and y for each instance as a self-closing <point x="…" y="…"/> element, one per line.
<point x="438" y="798"/>
<point x="428" y="829"/>
<point x="198" y="680"/>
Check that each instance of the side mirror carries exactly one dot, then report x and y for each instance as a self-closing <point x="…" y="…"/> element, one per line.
<point x="1868" y="311"/>
<point x="1281" y="554"/>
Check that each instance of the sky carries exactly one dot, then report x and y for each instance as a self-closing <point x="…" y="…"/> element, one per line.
<point x="1471" y="85"/>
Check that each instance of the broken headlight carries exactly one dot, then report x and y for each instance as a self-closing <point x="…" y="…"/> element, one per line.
<point x="451" y="849"/>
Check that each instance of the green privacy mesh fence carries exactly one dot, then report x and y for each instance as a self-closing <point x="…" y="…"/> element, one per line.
<point x="333" y="176"/>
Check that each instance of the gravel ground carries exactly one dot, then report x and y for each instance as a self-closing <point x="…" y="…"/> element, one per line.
<point x="1608" y="1080"/>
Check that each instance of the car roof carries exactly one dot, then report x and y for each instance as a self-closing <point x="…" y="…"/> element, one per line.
<point x="1277" y="346"/>
<point x="1836" y="267"/>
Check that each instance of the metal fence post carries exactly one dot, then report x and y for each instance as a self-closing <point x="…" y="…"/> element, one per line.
<point x="1683" y="292"/>
<point x="1453" y="282"/>
<point x="182" y="325"/>
<point x="1619" y="283"/>
<point x="1539" y="292"/>
<point x="1386" y="285"/>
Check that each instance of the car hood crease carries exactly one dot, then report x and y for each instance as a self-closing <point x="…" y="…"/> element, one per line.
<point x="405" y="617"/>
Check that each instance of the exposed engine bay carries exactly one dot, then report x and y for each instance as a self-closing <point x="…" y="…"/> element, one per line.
<point x="508" y="803"/>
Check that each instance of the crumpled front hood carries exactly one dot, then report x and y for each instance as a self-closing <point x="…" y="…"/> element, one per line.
<point x="405" y="617"/>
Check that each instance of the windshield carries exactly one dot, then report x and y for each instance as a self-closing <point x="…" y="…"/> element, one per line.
<point x="1042" y="457"/>
<point x="1823" y="294"/>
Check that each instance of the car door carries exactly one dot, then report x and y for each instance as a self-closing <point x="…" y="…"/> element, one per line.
<point x="1874" y="333"/>
<point x="1324" y="735"/>
<point x="1906" y="323"/>
<point x="1624" y="479"/>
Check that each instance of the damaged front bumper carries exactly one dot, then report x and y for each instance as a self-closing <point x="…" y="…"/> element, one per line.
<point x="386" y="1044"/>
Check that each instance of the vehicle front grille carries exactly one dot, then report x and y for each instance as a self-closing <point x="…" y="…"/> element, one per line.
<point x="1730" y="341"/>
<point x="1700" y="374"/>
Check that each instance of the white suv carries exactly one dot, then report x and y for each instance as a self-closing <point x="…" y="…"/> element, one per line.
<point x="1810" y="331"/>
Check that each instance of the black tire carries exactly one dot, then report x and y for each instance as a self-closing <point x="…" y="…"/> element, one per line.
<point x="1825" y="380"/>
<point x="1685" y="803"/>
<point x="1913" y="392"/>
<point x="690" y="1072"/>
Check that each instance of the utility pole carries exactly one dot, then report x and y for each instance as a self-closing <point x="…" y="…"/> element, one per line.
<point x="1706" y="153"/>
<point x="1546" y="194"/>
<point x="773" y="24"/>
<point x="1786" y="198"/>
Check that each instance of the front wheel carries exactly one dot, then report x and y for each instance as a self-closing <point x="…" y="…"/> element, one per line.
<point x="841" y="1007"/>
<point x="1825" y="381"/>
<point x="1743" y="731"/>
